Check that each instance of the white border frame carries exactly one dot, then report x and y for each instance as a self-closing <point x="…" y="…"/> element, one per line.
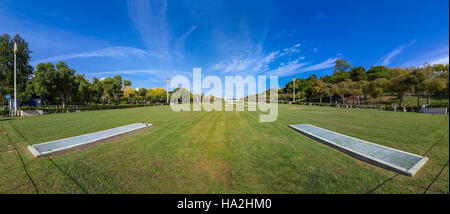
<point x="410" y="172"/>
<point x="36" y="153"/>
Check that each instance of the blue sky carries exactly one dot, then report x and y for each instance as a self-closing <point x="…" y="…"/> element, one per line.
<point x="149" y="41"/>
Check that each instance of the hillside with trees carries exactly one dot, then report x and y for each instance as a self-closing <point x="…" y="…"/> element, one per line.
<point x="355" y="85"/>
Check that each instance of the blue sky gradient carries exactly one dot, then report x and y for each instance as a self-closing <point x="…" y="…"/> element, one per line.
<point x="149" y="41"/>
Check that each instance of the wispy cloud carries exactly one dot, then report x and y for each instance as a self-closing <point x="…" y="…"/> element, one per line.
<point x="295" y="67"/>
<point x="283" y="33"/>
<point x="329" y="63"/>
<point x="149" y="18"/>
<point x="144" y="77"/>
<point x="437" y="56"/>
<point x="440" y="60"/>
<point x="320" y="16"/>
<point x="254" y="64"/>
<point x="155" y="72"/>
<point x="179" y="46"/>
<point x="387" y="59"/>
<point x="287" y="69"/>
<point x="110" y="52"/>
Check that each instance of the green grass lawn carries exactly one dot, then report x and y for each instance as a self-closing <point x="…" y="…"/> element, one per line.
<point x="407" y="100"/>
<point x="221" y="152"/>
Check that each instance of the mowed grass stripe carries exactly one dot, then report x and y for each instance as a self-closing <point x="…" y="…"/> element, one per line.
<point x="231" y="152"/>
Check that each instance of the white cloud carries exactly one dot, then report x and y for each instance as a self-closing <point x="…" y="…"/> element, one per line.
<point x="180" y="43"/>
<point x="256" y="63"/>
<point x="149" y="18"/>
<point x="295" y="67"/>
<point x="329" y="63"/>
<point x="440" y="60"/>
<point x="155" y="72"/>
<point x="282" y="33"/>
<point x="386" y="60"/>
<point x="320" y="16"/>
<point x="110" y="52"/>
<point x="235" y="65"/>
<point x="437" y="56"/>
<point x="287" y="69"/>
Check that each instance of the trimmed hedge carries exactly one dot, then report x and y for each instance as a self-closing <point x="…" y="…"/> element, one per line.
<point x="4" y="112"/>
<point x="384" y="108"/>
<point x="88" y="108"/>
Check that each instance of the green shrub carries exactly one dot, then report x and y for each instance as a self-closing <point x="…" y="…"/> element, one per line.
<point x="438" y="105"/>
<point x="389" y="108"/>
<point x="95" y="108"/>
<point x="28" y="108"/>
<point x="4" y="112"/>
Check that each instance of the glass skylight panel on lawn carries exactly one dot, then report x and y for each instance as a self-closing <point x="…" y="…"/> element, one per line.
<point x="393" y="159"/>
<point x="69" y="143"/>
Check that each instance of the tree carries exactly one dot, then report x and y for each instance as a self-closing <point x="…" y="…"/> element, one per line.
<point x="340" y="76"/>
<point x="319" y="88"/>
<point x="378" y="72"/>
<point x="97" y="91"/>
<point x="43" y="81"/>
<point x="64" y="82"/>
<point x="342" y="89"/>
<point x="340" y="71"/>
<point x="417" y="79"/>
<point x="129" y="93"/>
<point x="141" y="92"/>
<point x="356" y="90"/>
<point x="328" y="79"/>
<point x="127" y="83"/>
<point x="399" y="84"/>
<point x="157" y="94"/>
<point x="117" y="90"/>
<point x="184" y="94"/>
<point x="28" y="94"/>
<point x="341" y="65"/>
<point x="377" y="88"/>
<point x="83" y="89"/>
<point x="441" y="71"/>
<point x="433" y="82"/>
<point x="108" y="90"/>
<point x="24" y="69"/>
<point x="358" y="74"/>
<point x="365" y="89"/>
<point x="329" y="91"/>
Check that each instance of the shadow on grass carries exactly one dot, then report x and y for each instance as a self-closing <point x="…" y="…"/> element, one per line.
<point x="424" y="154"/>
<point x="23" y="163"/>
<point x="51" y="161"/>
<point x="380" y="185"/>
<point x="434" y="180"/>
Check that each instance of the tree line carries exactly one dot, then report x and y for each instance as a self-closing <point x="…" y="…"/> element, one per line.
<point x="358" y="84"/>
<point x="61" y="85"/>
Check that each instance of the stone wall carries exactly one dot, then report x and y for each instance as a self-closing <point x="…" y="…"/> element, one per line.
<point x="28" y="113"/>
<point x="434" y="110"/>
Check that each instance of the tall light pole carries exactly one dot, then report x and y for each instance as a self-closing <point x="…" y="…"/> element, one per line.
<point x="15" y="87"/>
<point x="167" y="86"/>
<point x="293" y="82"/>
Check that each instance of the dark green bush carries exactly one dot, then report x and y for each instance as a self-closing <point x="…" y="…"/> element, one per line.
<point x="95" y="108"/>
<point x="438" y="105"/>
<point x="4" y="112"/>
<point x="389" y="108"/>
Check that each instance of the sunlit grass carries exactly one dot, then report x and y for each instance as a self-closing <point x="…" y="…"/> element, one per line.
<point x="222" y="152"/>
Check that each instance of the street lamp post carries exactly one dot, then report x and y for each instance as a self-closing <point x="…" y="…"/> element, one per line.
<point x="167" y="86"/>
<point x="15" y="87"/>
<point x="293" y="81"/>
